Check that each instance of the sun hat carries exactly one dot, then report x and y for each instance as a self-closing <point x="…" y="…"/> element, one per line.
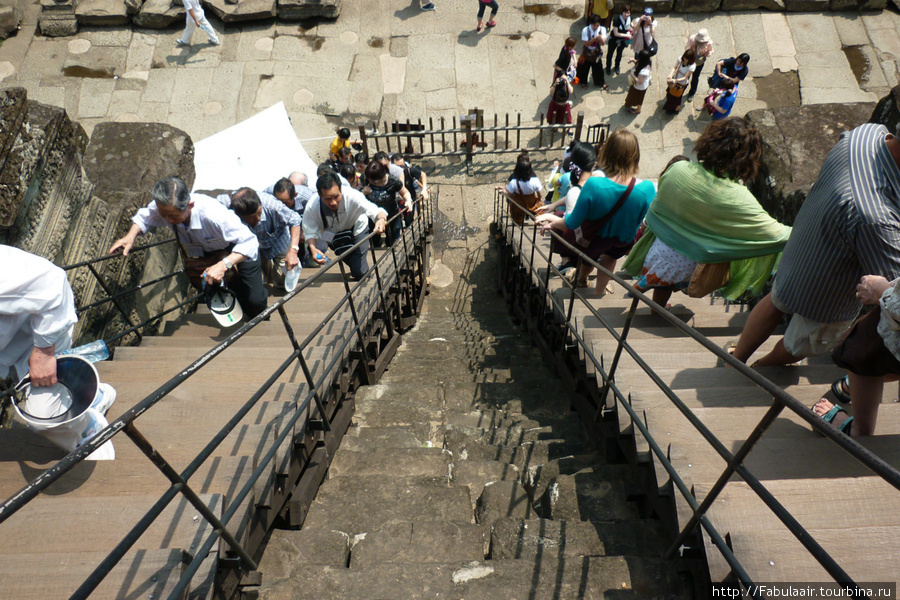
<point x="702" y="37"/>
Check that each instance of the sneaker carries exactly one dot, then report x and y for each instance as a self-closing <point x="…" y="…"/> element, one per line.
<point x="689" y="98"/>
<point x="491" y="24"/>
<point x="215" y="42"/>
<point x="565" y="267"/>
<point x="617" y="70"/>
<point x="181" y="43"/>
<point x="429" y="6"/>
<point x="106" y="395"/>
<point x="608" y="71"/>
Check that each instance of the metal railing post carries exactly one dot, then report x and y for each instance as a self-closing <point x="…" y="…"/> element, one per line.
<point x="363" y="346"/>
<point x="610" y="376"/>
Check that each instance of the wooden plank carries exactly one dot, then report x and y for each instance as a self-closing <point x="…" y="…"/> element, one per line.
<point x="100" y="522"/>
<point x="141" y="573"/>
<point x="856" y="520"/>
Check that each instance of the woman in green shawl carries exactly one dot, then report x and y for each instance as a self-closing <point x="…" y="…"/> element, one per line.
<point x="702" y="214"/>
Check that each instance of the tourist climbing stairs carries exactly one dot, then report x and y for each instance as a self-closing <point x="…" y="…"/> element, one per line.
<point x="240" y="398"/>
<point x="698" y="413"/>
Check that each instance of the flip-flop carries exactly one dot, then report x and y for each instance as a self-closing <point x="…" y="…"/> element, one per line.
<point x="837" y="388"/>
<point x="843" y="425"/>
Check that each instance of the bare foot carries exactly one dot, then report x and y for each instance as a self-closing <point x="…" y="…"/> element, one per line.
<point x="822" y="406"/>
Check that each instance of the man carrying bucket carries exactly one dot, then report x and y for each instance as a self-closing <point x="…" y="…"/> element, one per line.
<point x="37" y="316"/>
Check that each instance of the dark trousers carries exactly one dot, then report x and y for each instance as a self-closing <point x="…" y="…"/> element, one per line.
<point x="596" y="69"/>
<point x="617" y="47"/>
<point x="356" y="261"/>
<point x="695" y="79"/>
<point x="494" y="8"/>
<point x="247" y="285"/>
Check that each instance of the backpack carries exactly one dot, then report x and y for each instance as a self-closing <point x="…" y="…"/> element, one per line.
<point x="560" y="93"/>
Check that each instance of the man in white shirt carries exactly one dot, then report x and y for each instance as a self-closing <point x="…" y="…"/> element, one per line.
<point x="37" y="317"/>
<point x="338" y="217"/>
<point x="217" y="244"/>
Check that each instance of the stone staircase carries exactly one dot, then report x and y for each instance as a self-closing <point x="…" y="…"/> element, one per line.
<point x="465" y="474"/>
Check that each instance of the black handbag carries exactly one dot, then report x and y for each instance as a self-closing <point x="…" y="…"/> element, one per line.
<point x="342" y="240"/>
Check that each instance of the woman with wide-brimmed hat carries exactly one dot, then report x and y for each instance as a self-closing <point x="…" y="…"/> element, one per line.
<point x="702" y="46"/>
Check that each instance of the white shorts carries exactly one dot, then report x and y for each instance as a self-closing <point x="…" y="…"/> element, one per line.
<point x="805" y="337"/>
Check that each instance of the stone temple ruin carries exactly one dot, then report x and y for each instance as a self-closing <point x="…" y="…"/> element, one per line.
<point x="67" y="198"/>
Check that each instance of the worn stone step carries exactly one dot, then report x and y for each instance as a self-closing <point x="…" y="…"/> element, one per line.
<point x="475" y="474"/>
<point x="420" y="542"/>
<point x="288" y="549"/>
<point x="514" y="538"/>
<point x="365" y="439"/>
<point x="359" y="504"/>
<point x="622" y="578"/>
<point x="538" y="478"/>
<point x="523" y="456"/>
<point x="587" y="497"/>
<point x="412" y="462"/>
<point x="505" y="498"/>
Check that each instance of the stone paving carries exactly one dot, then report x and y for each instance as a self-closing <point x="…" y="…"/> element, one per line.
<point x="387" y="60"/>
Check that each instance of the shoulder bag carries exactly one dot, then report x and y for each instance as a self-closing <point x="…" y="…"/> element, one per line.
<point x="586" y="232"/>
<point x="707" y="278"/>
<point x="342" y="240"/>
<point x="530" y="201"/>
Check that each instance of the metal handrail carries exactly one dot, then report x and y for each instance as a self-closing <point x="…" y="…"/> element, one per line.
<point x="114" y="298"/>
<point x="781" y="399"/>
<point x="179" y="481"/>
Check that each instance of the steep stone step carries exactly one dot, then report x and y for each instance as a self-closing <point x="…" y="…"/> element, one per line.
<point x="505" y="498"/>
<point x="475" y="474"/>
<point x="587" y="497"/>
<point x="359" y="504"/>
<point x="412" y="462"/>
<point x="522" y="456"/>
<point x="420" y="542"/>
<point x="528" y="539"/>
<point x="617" y="577"/>
<point x="365" y="439"/>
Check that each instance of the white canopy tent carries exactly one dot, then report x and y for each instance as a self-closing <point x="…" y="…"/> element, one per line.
<point x="255" y="153"/>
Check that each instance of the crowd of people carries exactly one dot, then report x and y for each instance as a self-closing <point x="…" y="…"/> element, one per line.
<point x="701" y="230"/>
<point x="574" y="66"/>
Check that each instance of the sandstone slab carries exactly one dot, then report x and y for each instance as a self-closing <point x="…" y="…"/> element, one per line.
<point x="295" y="10"/>
<point x="419" y="542"/>
<point x="246" y="10"/>
<point x="9" y="21"/>
<point x="287" y="549"/>
<point x="158" y="14"/>
<point x="102" y="12"/>
<point x="357" y="505"/>
<point x="425" y="462"/>
<point x="586" y="497"/>
<point x="696" y="6"/>
<point x="795" y="143"/>
<point x="503" y="499"/>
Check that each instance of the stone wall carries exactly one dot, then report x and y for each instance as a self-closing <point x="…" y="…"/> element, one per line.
<point x="796" y="141"/>
<point x="67" y="198"/>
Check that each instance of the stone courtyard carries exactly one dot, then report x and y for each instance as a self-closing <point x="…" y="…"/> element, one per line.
<point x="387" y="60"/>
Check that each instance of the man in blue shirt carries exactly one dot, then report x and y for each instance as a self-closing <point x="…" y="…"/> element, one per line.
<point x="276" y="227"/>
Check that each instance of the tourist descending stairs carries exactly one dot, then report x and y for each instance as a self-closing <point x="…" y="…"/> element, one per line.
<point x="465" y="474"/>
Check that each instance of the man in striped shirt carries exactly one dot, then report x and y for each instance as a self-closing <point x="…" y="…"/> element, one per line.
<point x="849" y="226"/>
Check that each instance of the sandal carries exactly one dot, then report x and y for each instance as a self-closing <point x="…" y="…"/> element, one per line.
<point x="728" y="347"/>
<point x="833" y="416"/>
<point x="838" y="387"/>
<point x="581" y="284"/>
<point x="491" y="23"/>
<point x="605" y="88"/>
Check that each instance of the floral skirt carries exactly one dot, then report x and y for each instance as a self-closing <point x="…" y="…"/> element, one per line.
<point x="664" y="267"/>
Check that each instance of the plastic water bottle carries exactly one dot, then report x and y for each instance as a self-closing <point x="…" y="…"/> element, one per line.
<point x="320" y="256"/>
<point x="291" y="277"/>
<point x="94" y="352"/>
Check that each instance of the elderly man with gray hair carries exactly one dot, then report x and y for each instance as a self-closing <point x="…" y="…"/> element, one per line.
<point x="218" y="246"/>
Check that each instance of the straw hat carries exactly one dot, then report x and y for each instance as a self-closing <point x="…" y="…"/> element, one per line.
<point x="702" y="37"/>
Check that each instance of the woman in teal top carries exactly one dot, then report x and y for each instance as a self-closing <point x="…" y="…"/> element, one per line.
<point x="608" y="211"/>
<point x="703" y="214"/>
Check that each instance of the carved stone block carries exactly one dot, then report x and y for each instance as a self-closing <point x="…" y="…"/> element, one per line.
<point x="689" y="6"/>
<point x="294" y="10"/>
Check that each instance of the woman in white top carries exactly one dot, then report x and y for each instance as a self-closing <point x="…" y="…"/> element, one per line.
<point x="524" y="188"/>
<point x="639" y="76"/>
<point x="643" y="31"/>
<point x="678" y="81"/>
